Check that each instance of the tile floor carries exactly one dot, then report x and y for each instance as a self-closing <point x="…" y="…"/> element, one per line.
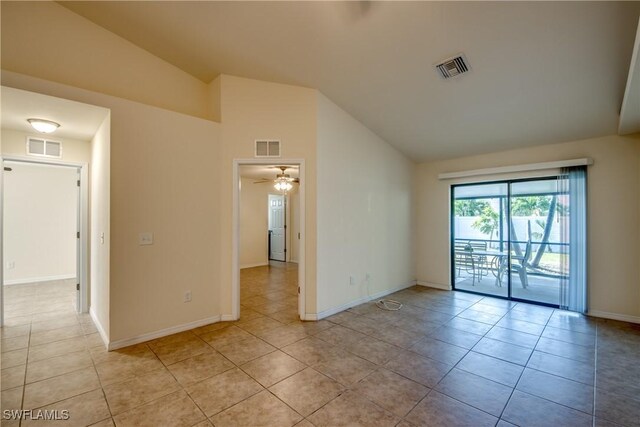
<point x="445" y="359"/>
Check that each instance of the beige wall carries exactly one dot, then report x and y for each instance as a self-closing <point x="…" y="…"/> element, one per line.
<point x="253" y="223"/>
<point x="14" y="143"/>
<point x="613" y="215"/>
<point x="40" y="222"/>
<point x="163" y="180"/>
<point x="100" y="217"/>
<point x="251" y="110"/>
<point x="46" y="40"/>
<point x="364" y="212"/>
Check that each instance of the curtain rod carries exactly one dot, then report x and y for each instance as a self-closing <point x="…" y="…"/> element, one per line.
<point x="517" y="168"/>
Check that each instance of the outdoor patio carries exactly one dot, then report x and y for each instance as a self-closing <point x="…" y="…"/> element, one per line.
<point x="540" y="288"/>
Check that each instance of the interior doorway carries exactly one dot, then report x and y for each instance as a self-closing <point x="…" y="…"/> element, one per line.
<point x="268" y="264"/>
<point x="44" y="251"/>
<point x="277" y="214"/>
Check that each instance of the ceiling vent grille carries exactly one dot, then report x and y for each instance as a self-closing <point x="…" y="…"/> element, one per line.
<point x="267" y="148"/>
<point x="453" y="67"/>
<point x="44" y="147"/>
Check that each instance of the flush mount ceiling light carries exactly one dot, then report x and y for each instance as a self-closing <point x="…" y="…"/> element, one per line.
<point x="43" y="126"/>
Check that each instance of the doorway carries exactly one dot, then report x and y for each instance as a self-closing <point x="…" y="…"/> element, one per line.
<point x="266" y="261"/>
<point x="44" y="247"/>
<point x="277" y="214"/>
<point x="512" y="239"/>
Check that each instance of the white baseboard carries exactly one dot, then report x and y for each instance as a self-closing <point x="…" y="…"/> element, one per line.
<point x="99" y="327"/>
<point x="38" y="279"/>
<point x="614" y="316"/>
<point x="162" y="333"/>
<point x="309" y="317"/>
<point x="257" y="264"/>
<point x="331" y="311"/>
<point x="434" y="285"/>
<point x="227" y="318"/>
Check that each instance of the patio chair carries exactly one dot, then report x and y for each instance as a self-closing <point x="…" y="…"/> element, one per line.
<point x="520" y="264"/>
<point x="467" y="261"/>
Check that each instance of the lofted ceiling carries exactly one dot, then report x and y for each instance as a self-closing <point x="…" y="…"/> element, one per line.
<point x="541" y="72"/>
<point x="77" y="120"/>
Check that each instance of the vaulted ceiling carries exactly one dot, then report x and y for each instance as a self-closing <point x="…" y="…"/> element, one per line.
<point x="541" y="72"/>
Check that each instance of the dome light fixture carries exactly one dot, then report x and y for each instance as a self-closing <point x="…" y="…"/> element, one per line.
<point x="43" y="126"/>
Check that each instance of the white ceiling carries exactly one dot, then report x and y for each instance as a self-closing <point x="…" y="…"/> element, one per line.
<point x="266" y="172"/>
<point x="77" y="121"/>
<point x="542" y="72"/>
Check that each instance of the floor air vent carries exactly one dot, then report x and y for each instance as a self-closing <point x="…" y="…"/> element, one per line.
<point x="453" y="67"/>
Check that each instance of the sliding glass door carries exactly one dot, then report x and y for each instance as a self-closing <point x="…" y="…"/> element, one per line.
<point x="539" y="241"/>
<point x="511" y="239"/>
<point x="480" y="238"/>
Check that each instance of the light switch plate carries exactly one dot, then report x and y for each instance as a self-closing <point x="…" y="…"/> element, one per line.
<point x="145" y="239"/>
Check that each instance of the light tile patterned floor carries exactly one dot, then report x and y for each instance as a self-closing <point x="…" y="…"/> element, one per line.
<point x="446" y="358"/>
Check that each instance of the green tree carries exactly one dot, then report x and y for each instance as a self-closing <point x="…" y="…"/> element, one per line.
<point x="530" y="206"/>
<point x="470" y="207"/>
<point x="488" y="222"/>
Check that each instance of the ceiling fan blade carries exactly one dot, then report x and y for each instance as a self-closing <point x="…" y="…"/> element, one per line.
<point x="296" y="180"/>
<point x="262" y="181"/>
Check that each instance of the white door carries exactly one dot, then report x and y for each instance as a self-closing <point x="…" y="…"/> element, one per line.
<point x="277" y="227"/>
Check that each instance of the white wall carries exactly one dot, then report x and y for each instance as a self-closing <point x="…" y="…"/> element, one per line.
<point x="40" y="223"/>
<point x="253" y="223"/>
<point x="364" y="211"/>
<point x="100" y="225"/>
<point x="613" y="215"/>
<point x="14" y="143"/>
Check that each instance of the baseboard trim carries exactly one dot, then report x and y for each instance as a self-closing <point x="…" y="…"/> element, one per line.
<point x="258" y="264"/>
<point x="99" y="327"/>
<point x="433" y="285"/>
<point x="614" y="316"/>
<point x="38" y="279"/>
<point x="114" y="345"/>
<point x="227" y="318"/>
<point x="331" y="311"/>
<point x="309" y="317"/>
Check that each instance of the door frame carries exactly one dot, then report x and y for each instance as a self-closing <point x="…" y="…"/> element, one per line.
<point x="235" y="247"/>
<point x="83" y="222"/>
<point x="452" y="257"/>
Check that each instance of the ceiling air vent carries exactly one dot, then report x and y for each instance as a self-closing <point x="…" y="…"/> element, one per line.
<point x="453" y="67"/>
<point x="267" y="148"/>
<point x="44" y="147"/>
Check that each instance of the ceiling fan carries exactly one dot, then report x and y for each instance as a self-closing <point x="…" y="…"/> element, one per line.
<point x="283" y="181"/>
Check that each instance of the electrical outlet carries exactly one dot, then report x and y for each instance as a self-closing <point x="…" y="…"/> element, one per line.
<point x="352" y="280"/>
<point x="187" y="296"/>
<point x="11" y="265"/>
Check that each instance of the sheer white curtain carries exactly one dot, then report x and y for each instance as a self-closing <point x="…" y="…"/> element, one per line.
<point x="573" y="288"/>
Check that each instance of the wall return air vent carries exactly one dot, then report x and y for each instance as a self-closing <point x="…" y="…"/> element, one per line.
<point x="44" y="147"/>
<point x="453" y="67"/>
<point x="267" y="148"/>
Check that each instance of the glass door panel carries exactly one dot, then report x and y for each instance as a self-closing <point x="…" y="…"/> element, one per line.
<point x="539" y="247"/>
<point x="480" y="238"/>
